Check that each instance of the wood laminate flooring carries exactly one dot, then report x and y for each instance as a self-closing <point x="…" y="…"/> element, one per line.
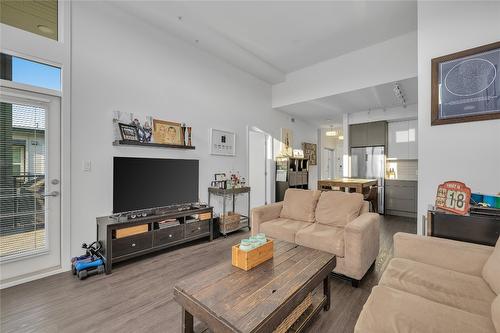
<point x="138" y="295"/>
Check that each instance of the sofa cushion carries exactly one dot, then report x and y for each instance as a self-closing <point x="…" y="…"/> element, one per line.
<point x="389" y="310"/>
<point x="338" y="208"/>
<point x="467" y="292"/>
<point x="495" y="313"/>
<point x="283" y="229"/>
<point x="300" y="204"/>
<point x="322" y="237"/>
<point x="491" y="270"/>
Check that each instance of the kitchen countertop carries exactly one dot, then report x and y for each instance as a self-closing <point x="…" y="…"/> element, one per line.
<point x="401" y="179"/>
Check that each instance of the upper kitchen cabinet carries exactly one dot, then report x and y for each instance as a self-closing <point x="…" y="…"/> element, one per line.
<point x="402" y="140"/>
<point x="368" y="134"/>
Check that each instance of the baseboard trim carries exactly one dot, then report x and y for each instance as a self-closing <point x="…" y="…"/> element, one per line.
<point x="28" y="278"/>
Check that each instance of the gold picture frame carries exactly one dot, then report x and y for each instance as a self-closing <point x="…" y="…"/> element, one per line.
<point x="167" y="132"/>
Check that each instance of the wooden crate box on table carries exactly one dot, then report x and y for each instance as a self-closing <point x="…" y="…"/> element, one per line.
<point x="247" y="260"/>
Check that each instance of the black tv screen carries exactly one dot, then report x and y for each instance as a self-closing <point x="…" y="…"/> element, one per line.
<point x="141" y="183"/>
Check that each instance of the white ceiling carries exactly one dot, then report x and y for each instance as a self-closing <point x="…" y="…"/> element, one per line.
<point x="272" y="38"/>
<point x="329" y="110"/>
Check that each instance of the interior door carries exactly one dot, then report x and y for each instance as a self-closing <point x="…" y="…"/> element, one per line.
<point x="257" y="168"/>
<point x="30" y="203"/>
<point x="328" y="165"/>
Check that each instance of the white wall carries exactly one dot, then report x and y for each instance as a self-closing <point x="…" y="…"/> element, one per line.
<point x="468" y="152"/>
<point x="122" y="63"/>
<point x="389" y="61"/>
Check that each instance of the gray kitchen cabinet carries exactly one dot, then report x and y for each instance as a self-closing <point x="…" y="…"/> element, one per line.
<point x="377" y="133"/>
<point x="357" y="135"/>
<point x="402" y="140"/>
<point x="401" y="197"/>
<point x="368" y="134"/>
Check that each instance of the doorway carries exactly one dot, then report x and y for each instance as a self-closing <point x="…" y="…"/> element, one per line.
<point x="30" y="203"/>
<point x="259" y="166"/>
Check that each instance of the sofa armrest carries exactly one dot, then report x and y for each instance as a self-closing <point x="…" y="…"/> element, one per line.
<point x="458" y="256"/>
<point x="263" y="214"/>
<point x="361" y="242"/>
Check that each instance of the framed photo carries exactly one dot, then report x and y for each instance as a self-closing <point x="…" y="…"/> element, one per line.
<point x="299" y="153"/>
<point x="128" y="132"/>
<point x="167" y="132"/>
<point x="466" y="86"/>
<point x="220" y="176"/>
<point x="310" y="152"/>
<point x="286" y="142"/>
<point x="222" y="142"/>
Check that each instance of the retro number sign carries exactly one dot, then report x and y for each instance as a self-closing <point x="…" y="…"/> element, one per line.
<point x="454" y="197"/>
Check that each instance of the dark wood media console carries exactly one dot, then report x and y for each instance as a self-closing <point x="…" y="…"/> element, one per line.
<point x="474" y="228"/>
<point x="146" y="236"/>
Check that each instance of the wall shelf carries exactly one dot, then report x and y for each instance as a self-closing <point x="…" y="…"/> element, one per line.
<point x="142" y="144"/>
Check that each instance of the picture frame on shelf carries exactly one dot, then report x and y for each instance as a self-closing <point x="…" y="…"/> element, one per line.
<point x="128" y="132"/>
<point x="466" y="86"/>
<point x="298" y="153"/>
<point x="167" y="132"/>
<point x="220" y="176"/>
<point x="222" y="143"/>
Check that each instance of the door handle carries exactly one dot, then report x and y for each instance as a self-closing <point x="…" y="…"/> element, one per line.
<point x="51" y="194"/>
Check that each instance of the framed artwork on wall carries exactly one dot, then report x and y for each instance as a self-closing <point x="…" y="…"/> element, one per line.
<point x="222" y="142"/>
<point x="466" y="86"/>
<point x="310" y="152"/>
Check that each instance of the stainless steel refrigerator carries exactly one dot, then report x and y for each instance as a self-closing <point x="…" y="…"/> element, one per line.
<point x="369" y="163"/>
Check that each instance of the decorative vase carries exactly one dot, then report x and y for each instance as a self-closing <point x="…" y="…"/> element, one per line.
<point x="183" y="134"/>
<point x="189" y="136"/>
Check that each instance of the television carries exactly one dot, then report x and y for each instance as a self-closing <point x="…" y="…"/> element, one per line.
<point x="142" y="183"/>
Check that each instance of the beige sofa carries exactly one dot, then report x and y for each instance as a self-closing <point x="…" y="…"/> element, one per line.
<point x="435" y="285"/>
<point x="332" y="221"/>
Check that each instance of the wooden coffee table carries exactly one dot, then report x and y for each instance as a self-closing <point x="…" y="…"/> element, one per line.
<point x="228" y="299"/>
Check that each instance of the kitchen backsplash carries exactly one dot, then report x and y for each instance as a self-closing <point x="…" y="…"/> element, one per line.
<point x="402" y="169"/>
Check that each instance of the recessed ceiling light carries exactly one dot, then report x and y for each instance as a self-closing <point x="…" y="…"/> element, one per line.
<point x="45" y="29"/>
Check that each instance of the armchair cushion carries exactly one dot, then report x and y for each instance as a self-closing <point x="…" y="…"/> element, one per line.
<point x="283" y="229"/>
<point x="322" y="237"/>
<point x="300" y="205"/>
<point x="337" y="208"/>
<point x="462" y="291"/>
<point x="491" y="270"/>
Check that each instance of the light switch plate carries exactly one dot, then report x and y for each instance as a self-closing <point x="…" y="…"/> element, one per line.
<point x="87" y="165"/>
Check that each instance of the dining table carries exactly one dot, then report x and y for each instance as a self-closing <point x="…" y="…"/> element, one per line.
<point x="359" y="185"/>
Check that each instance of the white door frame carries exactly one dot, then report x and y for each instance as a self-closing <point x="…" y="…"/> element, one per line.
<point x="33" y="47"/>
<point x="268" y="167"/>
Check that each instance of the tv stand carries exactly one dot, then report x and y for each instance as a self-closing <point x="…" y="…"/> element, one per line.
<point x="123" y="239"/>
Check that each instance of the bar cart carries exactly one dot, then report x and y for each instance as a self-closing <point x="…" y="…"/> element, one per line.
<point x="232" y="220"/>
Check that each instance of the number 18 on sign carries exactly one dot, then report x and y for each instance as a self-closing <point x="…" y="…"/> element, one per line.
<point x="453" y="197"/>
